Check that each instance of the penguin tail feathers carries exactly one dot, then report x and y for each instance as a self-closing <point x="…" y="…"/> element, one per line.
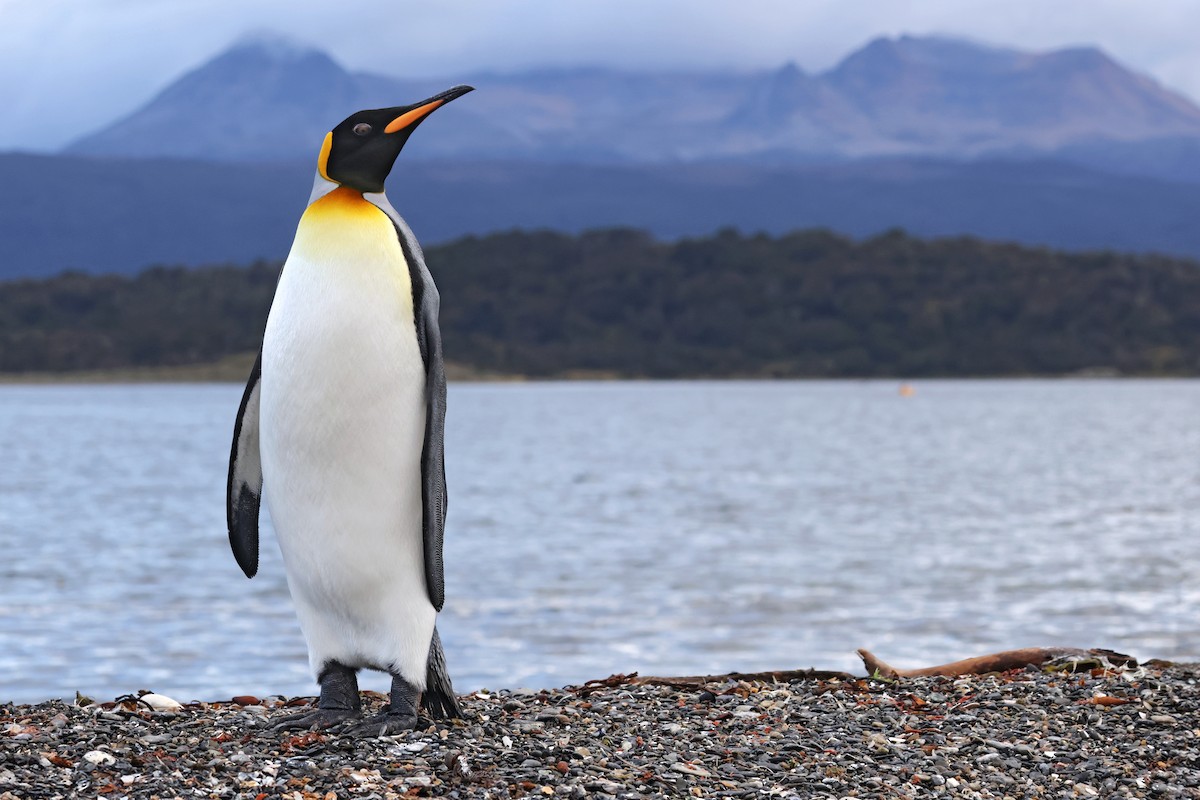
<point x="439" y="699"/>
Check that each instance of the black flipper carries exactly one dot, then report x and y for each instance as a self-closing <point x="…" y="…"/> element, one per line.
<point x="426" y="303"/>
<point x="243" y="491"/>
<point x="439" y="700"/>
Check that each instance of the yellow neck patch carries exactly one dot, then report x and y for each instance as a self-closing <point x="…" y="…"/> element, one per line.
<point x="343" y="226"/>
<point x="343" y="200"/>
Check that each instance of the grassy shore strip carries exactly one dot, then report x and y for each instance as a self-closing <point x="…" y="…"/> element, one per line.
<point x="231" y="369"/>
<point x="1024" y="733"/>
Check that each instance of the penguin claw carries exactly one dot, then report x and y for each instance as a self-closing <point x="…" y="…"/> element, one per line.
<point x="385" y="724"/>
<point x="319" y="720"/>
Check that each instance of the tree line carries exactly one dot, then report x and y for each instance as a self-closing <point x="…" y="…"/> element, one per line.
<point x="806" y="304"/>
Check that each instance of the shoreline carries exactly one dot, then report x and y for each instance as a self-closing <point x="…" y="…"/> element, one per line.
<point x="236" y="371"/>
<point x="1131" y="732"/>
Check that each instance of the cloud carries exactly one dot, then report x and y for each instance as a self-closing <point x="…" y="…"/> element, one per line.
<point x="69" y="66"/>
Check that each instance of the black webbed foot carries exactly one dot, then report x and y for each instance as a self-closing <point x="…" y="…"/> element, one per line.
<point x="383" y="724"/>
<point x="400" y="715"/>
<point x="339" y="702"/>
<point x="317" y="720"/>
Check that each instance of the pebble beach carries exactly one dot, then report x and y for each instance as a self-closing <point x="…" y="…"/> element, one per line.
<point x="1025" y="733"/>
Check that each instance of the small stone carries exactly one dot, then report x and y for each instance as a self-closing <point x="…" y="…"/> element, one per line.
<point x="691" y="769"/>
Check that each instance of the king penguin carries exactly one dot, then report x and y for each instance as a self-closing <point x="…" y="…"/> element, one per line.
<point x="341" y="425"/>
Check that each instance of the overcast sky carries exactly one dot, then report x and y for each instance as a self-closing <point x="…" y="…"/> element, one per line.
<point x="70" y="66"/>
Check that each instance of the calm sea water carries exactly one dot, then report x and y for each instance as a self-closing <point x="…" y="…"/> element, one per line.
<point x="669" y="528"/>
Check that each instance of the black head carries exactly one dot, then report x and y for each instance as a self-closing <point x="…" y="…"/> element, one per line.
<point x="360" y="151"/>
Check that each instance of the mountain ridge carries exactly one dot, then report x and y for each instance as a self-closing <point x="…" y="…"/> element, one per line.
<point x="905" y="96"/>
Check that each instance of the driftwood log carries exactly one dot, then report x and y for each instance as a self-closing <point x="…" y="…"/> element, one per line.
<point x="1068" y="658"/>
<point x="1065" y="658"/>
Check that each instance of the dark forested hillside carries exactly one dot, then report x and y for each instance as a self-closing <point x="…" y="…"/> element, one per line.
<point x="160" y="317"/>
<point x="617" y="301"/>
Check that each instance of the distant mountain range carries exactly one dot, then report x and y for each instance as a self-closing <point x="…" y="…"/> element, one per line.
<point x="930" y="97"/>
<point x="935" y="135"/>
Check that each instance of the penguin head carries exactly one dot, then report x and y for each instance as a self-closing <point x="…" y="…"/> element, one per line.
<point x="360" y="151"/>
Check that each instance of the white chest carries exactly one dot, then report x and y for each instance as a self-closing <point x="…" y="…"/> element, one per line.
<point x="343" y="381"/>
<point x="341" y="331"/>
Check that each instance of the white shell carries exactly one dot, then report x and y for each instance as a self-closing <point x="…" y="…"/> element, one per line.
<point x="160" y="702"/>
<point x="98" y="757"/>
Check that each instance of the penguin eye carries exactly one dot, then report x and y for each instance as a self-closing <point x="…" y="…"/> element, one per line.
<point x="362" y="129"/>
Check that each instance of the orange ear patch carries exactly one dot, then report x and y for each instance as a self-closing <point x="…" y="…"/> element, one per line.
<point x="409" y="117"/>
<point x="323" y="158"/>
